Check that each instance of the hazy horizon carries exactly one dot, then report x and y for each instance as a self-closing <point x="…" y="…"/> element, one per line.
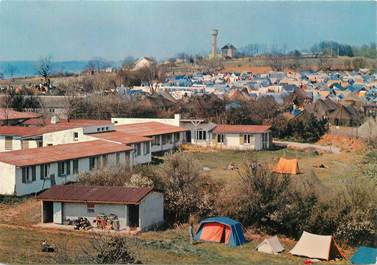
<point x="75" y="31"/>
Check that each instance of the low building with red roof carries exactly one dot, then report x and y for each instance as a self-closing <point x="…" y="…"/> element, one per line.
<point x="241" y="137"/>
<point x="135" y="208"/>
<point x="226" y="136"/>
<point x="32" y="170"/>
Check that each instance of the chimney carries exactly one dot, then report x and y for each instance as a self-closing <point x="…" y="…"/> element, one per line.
<point x="54" y="119"/>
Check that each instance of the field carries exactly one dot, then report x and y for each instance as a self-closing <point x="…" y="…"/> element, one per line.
<point x="20" y="239"/>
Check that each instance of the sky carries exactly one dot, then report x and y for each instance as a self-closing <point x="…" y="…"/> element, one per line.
<point x="81" y="30"/>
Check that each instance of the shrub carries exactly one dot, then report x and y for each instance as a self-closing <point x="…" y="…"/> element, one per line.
<point x="268" y="201"/>
<point x="115" y="176"/>
<point x="186" y="189"/>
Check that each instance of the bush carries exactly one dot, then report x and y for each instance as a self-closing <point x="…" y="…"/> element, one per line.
<point x="186" y="189"/>
<point x="267" y="201"/>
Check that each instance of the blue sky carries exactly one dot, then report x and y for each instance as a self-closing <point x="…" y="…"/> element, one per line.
<point x="78" y="30"/>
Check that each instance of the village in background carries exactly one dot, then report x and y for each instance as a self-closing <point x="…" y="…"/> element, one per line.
<point x="260" y="149"/>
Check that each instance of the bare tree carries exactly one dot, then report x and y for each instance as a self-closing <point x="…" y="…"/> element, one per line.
<point x="44" y="68"/>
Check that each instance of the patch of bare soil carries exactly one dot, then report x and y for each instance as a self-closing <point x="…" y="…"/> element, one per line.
<point x="23" y="213"/>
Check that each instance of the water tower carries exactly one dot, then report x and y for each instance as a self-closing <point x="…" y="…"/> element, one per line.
<point x="214" y="33"/>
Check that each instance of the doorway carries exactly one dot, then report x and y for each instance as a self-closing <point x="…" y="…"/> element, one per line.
<point x="48" y="212"/>
<point x="188" y="136"/>
<point x="133" y="215"/>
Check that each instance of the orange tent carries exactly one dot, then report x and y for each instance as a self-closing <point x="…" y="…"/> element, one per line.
<point x="287" y="166"/>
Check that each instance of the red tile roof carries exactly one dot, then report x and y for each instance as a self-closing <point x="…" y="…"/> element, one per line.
<point x="121" y="137"/>
<point x="60" y="126"/>
<point x="8" y="114"/>
<point x="99" y="194"/>
<point x="49" y="154"/>
<point x="225" y="128"/>
<point x="149" y="128"/>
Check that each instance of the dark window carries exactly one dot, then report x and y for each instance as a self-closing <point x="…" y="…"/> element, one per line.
<point x="92" y="163"/>
<point x="75" y="136"/>
<point x="117" y="158"/>
<point x="44" y="170"/>
<point x="201" y="135"/>
<point x="75" y="166"/>
<point x="146" y="148"/>
<point x="25" y="174"/>
<point x="8" y="143"/>
<point x="90" y="206"/>
<point x="33" y="173"/>
<point x="220" y="138"/>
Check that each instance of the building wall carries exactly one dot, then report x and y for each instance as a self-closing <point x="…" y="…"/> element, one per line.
<point x="8" y="181"/>
<point x="14" y="174"/>
<point x="142" y="158"/>
<point x="65" y="137"/>
<point x="168" y="146"/>
<point x="174" y="122"/>
<point x="16" y="143"/>
<point x="201" y="127"/>
<point x="74" y="210"/>
<point x="151" y="210"/>
<point x="233" y="141"/>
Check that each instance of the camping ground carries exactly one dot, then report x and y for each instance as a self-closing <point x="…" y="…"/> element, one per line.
<point x="20" y="239"/>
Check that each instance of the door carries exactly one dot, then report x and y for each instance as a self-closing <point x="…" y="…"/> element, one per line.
<point x="188" y="136"/>
<point x="48" y="213"/>
<point x="133" y="215"/>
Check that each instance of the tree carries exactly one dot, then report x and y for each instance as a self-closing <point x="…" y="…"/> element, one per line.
<point x="97" y="64"/>
<point x="186" y="190"/>
<point x="44" y="68"/>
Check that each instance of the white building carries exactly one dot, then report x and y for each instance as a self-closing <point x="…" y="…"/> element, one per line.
<point x="32" y="170"/>
<point x="241" y="137"/>
<point x="138" y="208"/>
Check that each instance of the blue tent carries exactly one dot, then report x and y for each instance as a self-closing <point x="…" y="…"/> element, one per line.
<point x="365" y="255"/>
<point x="221" y="230"/>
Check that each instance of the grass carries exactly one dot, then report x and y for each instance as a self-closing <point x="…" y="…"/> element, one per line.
<point x="339" y="167"/>
<point x="169" y="247"/>
<point x="20" y="241"/>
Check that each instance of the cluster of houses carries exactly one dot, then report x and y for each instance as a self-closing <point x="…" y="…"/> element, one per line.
<point x="341" y="97"/>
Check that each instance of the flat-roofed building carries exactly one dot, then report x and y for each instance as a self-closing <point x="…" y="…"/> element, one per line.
<point x="135" y="208"/>
<point x="32" y="170"/>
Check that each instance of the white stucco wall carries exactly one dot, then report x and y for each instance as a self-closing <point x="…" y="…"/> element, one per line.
<point x="175" y="121"/>
<point x="8" y="180"/>
<point x="151" y="210"/>
<point x="74" y="210"/>
<point x="65" y="137"/>
<point x="232" y="141"/>
<point x="11" y="175"/>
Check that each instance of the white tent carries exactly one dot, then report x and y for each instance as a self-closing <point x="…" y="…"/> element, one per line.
<point x="316" y="246"/>
<point x="270" y="245"/>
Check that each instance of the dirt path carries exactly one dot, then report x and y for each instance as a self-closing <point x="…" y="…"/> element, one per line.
<point x="303" y="146"/>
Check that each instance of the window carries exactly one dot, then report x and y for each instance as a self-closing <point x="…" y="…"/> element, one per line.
<point x="98" y="129"/>
<point x="247" y="138"/>
<point x="176" y="137"/>
<point x="8" y="143"/>
<point x="39" y="144"/>
<point x="201" y="135"/>
<point x="138" y="149"/>
<point x="29" y="174"/>
<point x="75" y="136"/>
<point x="164" y="139"/>
<point x="156" y="140"/>
<point x="44" y="171"/>
<point x="64" y="168"/>
<point x="90" y="206"/>
<point x="146" y="148"/>
<point x="220" y="138"/>
<point x="169" y="138"/>
<point x="104" y="160"/>
<point x="92" y="163"/>
<point x="117" y="158"/>
<point x="75" y="166"/>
